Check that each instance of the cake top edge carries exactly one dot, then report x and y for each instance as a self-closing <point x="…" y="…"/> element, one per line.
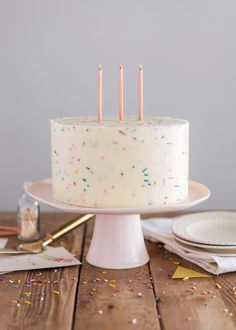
<point x="109" y="121"/>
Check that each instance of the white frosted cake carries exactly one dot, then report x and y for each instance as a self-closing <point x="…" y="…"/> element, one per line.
<point x="119" y="164"/>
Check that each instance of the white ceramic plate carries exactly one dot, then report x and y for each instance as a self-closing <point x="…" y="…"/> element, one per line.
<point x="206" y="246"/>
<point x="42" y="191"/>
<point x="214" y="228"/>
<point x="210" y="252"/>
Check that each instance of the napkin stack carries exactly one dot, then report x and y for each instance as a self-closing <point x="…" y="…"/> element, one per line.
<point x="160" y="230"/>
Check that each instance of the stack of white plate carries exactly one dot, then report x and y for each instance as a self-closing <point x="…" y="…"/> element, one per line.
<point x="209" y="232"/>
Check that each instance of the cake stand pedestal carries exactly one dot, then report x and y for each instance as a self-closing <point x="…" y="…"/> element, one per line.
<point x="117" y="241"/>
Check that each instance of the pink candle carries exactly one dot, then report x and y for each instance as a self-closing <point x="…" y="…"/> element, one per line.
<point x="100" y="93"/>
<point x="121" y="92"/>
<point x="140" y="93"/>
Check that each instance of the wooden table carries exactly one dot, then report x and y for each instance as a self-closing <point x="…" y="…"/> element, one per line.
<point x="93" y="298"/>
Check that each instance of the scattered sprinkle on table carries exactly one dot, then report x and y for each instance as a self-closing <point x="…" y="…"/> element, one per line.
<point x="56" y="292"/>
<point x="27" y="302"/>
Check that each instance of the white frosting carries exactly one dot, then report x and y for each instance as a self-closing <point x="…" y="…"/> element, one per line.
<point x="119" y="164"/>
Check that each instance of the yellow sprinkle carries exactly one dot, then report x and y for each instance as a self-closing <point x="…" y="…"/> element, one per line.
<point x="98" y="279"/>
<point x="231" y="314"/>
<point x="14" y="301"/>
<point x="218" y="286"/>
<point x="19" y="281"/>
<point x="85" y="282"/>
<point x="112" y="285"/>
<point x="27" y="293"/>
<point x="27" y="302"/>
<point x="176" y="263"/>
<point x="94" y="289"/>
<point x="113" y="281"/>
<point x="104" y="272"/>
<point x="56" y="292"/>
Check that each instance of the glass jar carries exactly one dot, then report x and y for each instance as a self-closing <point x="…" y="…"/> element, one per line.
<point x="28" y="218"/>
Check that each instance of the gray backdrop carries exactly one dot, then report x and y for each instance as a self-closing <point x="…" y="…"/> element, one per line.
<point x="49" y="54"/>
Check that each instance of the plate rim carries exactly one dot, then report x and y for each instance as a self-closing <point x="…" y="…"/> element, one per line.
<point x="213" y="246"/>
<point x="189" y="238"/>
<point x="188" y="249"/>
<point x="132" y="210"/>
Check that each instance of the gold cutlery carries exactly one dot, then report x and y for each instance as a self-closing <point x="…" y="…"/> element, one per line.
<point x="37" y="246"/>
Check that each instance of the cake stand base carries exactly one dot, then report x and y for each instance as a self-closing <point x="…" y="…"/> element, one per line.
<point x="117" y="242"/>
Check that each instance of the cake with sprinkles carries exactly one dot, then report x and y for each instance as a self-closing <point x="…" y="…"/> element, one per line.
<point x="113" y="163"/>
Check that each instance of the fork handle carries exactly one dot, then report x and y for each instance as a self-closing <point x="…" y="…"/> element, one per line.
<point x="50" y="237"/>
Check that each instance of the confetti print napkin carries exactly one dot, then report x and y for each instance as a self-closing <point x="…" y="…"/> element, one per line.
<point x="51" y="257"/>
<point x="160" y="230"/>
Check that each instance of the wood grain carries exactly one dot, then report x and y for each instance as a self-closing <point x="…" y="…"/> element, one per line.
<point x="228" y="292"/>
<point x="55" y="311"/>
<point x="190" y="304"/>
<point x="119" y="305"/>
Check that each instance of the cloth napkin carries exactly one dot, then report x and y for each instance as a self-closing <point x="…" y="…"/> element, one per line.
<point x="160" y="230"/>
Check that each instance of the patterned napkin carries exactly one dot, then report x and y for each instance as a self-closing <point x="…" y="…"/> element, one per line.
<point x="160" y="230"/>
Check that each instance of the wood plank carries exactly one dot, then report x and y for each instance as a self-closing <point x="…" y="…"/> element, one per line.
<point x="191" y="304"/>
<point x="49" y="313"/>
<point x="114" y="308"/>
<point x="228" y="292"/>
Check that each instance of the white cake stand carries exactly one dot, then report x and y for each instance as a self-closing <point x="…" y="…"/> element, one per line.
<point x="117" y="241"/>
